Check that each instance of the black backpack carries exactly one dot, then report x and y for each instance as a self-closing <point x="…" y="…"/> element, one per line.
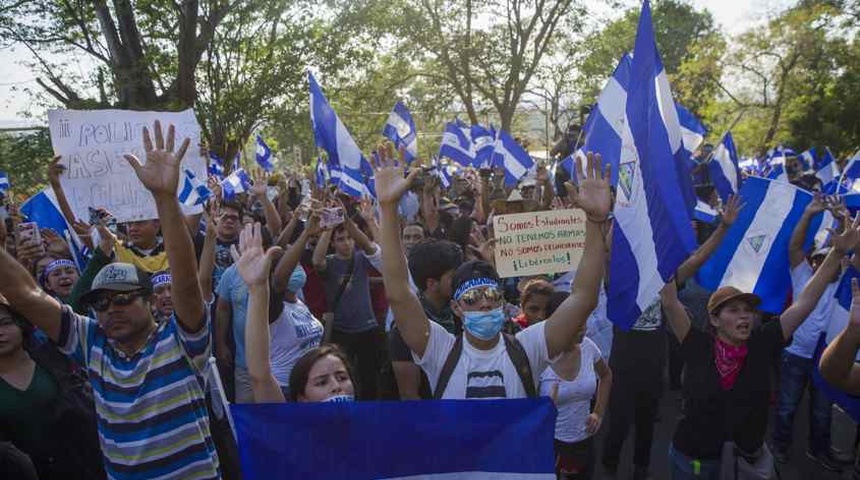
<point x="516" y="352"/>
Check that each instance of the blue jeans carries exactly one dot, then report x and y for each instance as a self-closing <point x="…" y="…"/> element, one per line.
<point x="683" y="467"/>
<point x="796" y="376"/>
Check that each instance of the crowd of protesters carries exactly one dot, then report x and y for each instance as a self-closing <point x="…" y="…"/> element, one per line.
<point x="313" y="296"/>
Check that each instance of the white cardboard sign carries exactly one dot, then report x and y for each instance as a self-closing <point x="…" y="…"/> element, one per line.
<point x="538" y="242"/>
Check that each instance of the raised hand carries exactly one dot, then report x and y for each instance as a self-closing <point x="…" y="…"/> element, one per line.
<point x="160" y="174"/>
<point x="388" y="174"/>
<point x="731" y="210"/>
<point x="365" y="209"/>
<point x="55" y="170"/>
<point x="849" y="238"/>
<point x="593" y="195"/>
<point x="854" y="318"/>
<point x="817" y="204"/>
<point x="253" y="263"/>
<point x="258" y="189"/>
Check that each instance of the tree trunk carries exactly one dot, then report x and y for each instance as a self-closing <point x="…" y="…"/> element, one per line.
<point x="186" y="86"/>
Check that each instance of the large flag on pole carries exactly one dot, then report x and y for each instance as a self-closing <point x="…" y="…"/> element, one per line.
<point x="457" y="143"/>
<point x="446" y="439"/>
<point x="400" y="129"/>
<point x="724" y="168"/>
<point x="651" y="235"/>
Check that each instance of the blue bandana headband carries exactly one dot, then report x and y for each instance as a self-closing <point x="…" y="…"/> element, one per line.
<point x="474" y="283"/>
<point x="57" y="264"/>
<point x="161" y="279"/>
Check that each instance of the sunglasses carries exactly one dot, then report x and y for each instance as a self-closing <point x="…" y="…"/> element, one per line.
<point x="474" y="295"/>
<point x="103" y="302"/>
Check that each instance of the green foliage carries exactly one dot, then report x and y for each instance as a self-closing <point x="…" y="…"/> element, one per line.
<point x="24" y="156"/>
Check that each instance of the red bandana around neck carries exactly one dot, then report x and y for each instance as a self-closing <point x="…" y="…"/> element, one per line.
<point x="729" y="359"/>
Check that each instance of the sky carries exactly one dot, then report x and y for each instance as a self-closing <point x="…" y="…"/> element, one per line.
<point x="732" y="16"/>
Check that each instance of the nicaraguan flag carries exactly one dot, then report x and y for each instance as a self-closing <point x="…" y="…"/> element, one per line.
<point x="753" y="256"/>
<point x="512" y="156"/>
<point x="838" y="321"/>
<point x="216" y="165"/>
<point x="237" y="161"/>
<point x="457" y="144"/>
<point x="4" y="183"/>
<point x="193" y="192"/>
<point x="43" y="209"/>
<point x="320" y="172"/>
<point x="692" y="131"/>
<point x="777" y="172"/>
<point x="264" y="155"/>
<point x="483" y="143"/>
<point x="235" y="183"/>
<point x="827" y="170"/>
<point x="400" y="129"/>
<point x="442" y="173"/>
<point x="331" y="135"/>
<point x="723" y="167"/>
<point x="445" y="439"/>
<point x="705" y="213"/>
<point x="808" y="159"/>
<point x="651" y="235"/>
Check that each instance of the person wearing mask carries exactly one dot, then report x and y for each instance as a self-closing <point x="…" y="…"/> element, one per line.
<point x="487" y="364"/>
<point x="137" y="368"/>
<point x="797" y="364"/>
<point x="728" y="372"/>
<point x="572" y="381"/>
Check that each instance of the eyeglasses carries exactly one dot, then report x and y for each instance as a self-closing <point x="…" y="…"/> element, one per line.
<point x="103" y="302"/>
<point x="473" y="296"/>
<point x="234" y="218"/>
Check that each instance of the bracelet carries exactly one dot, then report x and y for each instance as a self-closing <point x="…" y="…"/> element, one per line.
<point x="592" y="220"/>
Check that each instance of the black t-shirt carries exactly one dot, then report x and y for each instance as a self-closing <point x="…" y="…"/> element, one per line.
<point x="712" y="416"/>
<point x="642" y="350"/>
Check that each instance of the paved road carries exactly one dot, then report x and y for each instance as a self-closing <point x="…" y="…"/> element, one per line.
<point x="798" y="468"/>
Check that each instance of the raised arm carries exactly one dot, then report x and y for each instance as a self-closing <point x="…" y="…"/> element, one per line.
<point x="287" y="232"/>
<point x="838" y="365"/>
<point x="207" y="260"/>
<point x="160" y="175"/>
<point x="676" y="314"/>
<point x="361" y="240"/>
<point x="289" y="261"/>
<point x="408" y="314"/>
<point x="695" y="261"/>
<point x="259" y="190"/>
<point x="594" y="198"/>
<point x="321" y="250"/>
<point x="254" y="266"/>
<point x="54" y="172"/>
<point x="366" y="210"/>
<point x="796" y="255"/>
<point x="24" y="294"/>
<point x="842" y="243"/>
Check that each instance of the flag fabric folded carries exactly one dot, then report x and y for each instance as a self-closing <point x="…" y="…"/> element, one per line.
<point x="216" y="165"/>
<point x="400" y="129"/>
<point x="753" y="256"/>
<point x="651" y="235"/>
<point x="723" y="167"/>
<point x="443" y="439"/>
<point x="705" y="213"/>
<point x="827" y="171"/>
<point x="4" y="183"/>
<point x="235" y="183"/>
<point x="43" y="209"/>
<point x="193" y="192"/>
<point x="510" y="155"/>
<point x="457" y="143"/>
<point x="692" y="131"/>
<point x="320" y="172"/>
<point x="807" y="159"/>
<point x="237" y="161"/>
<point x="442" y="172"/>
<point x="838" y="321"/>
<point x="483" y="144"/>
<point x="777" y="172"/>
<point x="264" y="155"/>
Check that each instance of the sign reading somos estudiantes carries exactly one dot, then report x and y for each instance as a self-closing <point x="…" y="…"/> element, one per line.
<point x="539" y="242"/>
<point x="93" y="142"/>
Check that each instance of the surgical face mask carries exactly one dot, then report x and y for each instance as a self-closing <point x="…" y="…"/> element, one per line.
<point x="339" y="399"/>
<point x="297" y="280"/>
<point x="484" y="325"/>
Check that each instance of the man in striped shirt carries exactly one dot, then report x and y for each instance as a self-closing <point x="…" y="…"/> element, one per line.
<point x="147" y="377"/>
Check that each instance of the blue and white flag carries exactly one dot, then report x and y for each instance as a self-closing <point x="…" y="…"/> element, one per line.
<point x="777" y="172"/>
<point x="331" y="135"/>
<point x="264" y="155"/>
<point x="808" y="160"/>
<point x="216" y="165"/>
<point x="483" y="143"/>
<point x="193" y="192"/>
<point x="692" y="131"/>
<point x="448" y="439"/>
<point x="457" y="144"/>
<point x="827" y="171"/>
<point x="512" y="156"/>
<point x="4" y="183"/>
<point x="705" y="213"/>
<point x="753" y="256"/>
<point x="320" y="172"/>
<point x="237" y="161"/>
<point x="235" y="183"/>
<point x="651" y="235"/>
<point x="723" y="167"/>
<point x="838" y="321"/>
<point x="400" y="129"/>
<point x="44" y="209"/>
<point x="441" y="171"/>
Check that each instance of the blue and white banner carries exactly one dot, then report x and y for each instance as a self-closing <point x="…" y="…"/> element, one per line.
<point x="193" y="192"/>
<point x="400" y="129"/>
<point x="723" y="167"/>
<point x="331" y="135"/>
<point x="445" y="439"/>
<point x="607" y="130"/>
<point x="510" y="155"/>
<point x="235" y="183"/>
<point x="651" y="235"/>
<point x="264" y="155"/>
<point x="753" y="256"/>
<point x="457" y="143"/>
<point x="483" y="144"/>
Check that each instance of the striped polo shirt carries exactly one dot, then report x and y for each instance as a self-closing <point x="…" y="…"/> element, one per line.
<point x="152" y="416"/>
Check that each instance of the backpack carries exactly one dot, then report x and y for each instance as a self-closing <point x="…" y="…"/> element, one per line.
<point x="516" y="353"/>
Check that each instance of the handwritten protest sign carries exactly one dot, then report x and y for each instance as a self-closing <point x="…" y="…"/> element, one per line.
<point x="93" y="142"/>
<point x="539" y="242"/>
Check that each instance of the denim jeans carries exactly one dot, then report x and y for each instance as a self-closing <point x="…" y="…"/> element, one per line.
<point x="683" y="467"/>
<point x="795" y="377"/>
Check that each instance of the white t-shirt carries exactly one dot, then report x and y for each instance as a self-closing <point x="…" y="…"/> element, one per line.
<point x="805" y="338"/>
<point x="574" y="396"/>
<point x="483" y="374"/>
<point x="294" y="332"/>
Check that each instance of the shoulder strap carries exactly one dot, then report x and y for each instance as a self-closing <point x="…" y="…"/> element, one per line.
<point x="448" y="367"/>
<point x="350" y="270"/>
<point x="521" y="362"/>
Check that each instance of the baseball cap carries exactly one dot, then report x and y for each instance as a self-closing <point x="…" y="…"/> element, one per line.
<point x="118" y="277"/>
<point x="726" y="294"/>
<point x="821" y="251"/>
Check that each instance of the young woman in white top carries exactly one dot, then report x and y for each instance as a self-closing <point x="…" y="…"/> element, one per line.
<point x="572" y="381"/>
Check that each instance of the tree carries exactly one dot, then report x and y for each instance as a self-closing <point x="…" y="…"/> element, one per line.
<point x="25" y="157"/>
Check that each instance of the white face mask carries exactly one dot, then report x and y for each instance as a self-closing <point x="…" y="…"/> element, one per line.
<point x="339" y="399"/>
